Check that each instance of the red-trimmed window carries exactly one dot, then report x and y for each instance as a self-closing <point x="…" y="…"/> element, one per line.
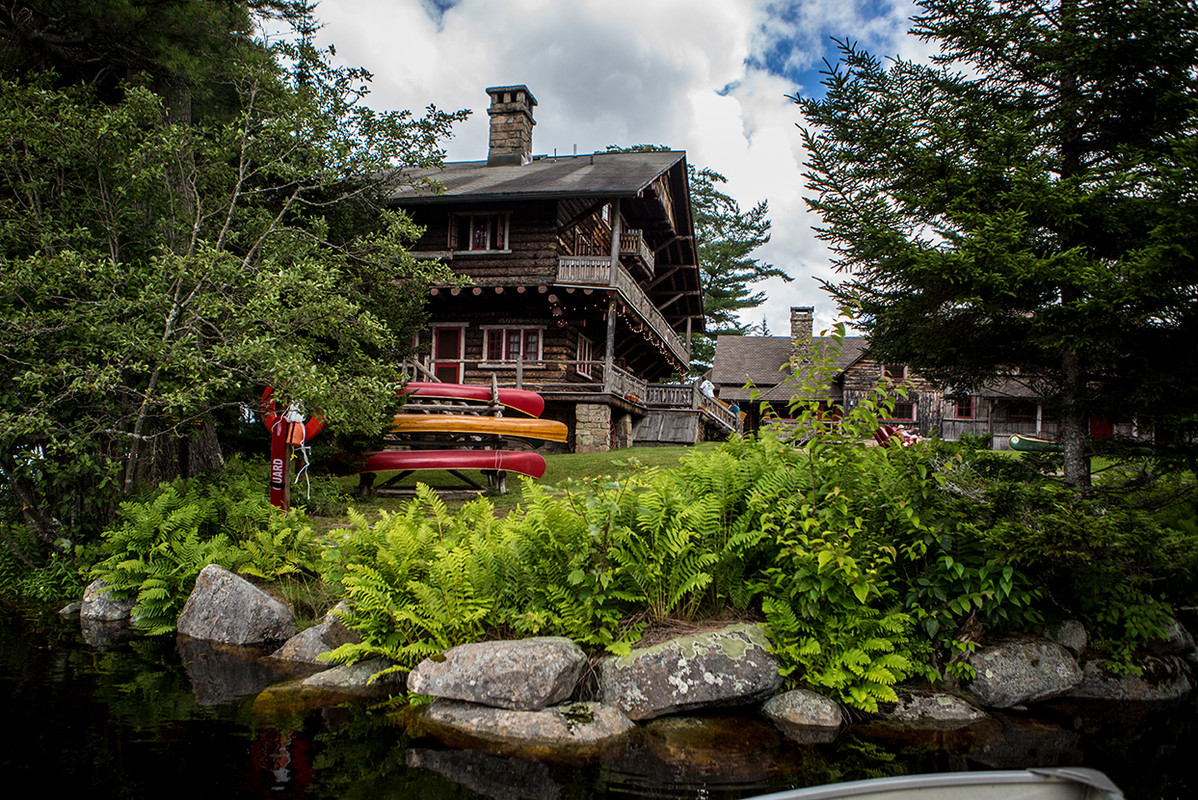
<point x="513" y="344"/>
<point x="963" y="408"/>
<point x="904" y="410"/>
<point x="479" y="232"/>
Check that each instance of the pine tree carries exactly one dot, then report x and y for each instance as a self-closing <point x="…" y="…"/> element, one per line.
<point x="1025" y="203"/>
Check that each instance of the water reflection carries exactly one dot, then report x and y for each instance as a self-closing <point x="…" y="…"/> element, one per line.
<point x="143" y="717"/>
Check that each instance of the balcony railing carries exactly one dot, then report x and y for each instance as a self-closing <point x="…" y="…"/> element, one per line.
<point x="633" y="249"/>
<point x="596" y="271"/>
<point x="557" y="377"/>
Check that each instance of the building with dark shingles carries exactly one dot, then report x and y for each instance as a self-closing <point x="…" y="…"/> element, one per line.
<point x="582" y="279"/>
<point x="757" y="373"/>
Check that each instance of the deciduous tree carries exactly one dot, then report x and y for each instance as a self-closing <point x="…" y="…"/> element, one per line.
<point x="157" y="270"/>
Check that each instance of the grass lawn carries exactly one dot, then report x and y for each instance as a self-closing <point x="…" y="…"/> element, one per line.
<point x="559" y="469"/>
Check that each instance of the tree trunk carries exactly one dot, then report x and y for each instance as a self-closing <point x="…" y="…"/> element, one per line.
<point x="1074" y="419"/>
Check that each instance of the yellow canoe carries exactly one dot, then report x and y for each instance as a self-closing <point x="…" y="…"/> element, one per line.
<point x="518" y="427"/>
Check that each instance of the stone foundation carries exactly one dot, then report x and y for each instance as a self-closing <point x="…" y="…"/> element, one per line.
<point x="592" y="428"/>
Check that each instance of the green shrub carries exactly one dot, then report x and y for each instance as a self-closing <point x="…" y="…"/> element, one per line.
<point x="158" y="545"/>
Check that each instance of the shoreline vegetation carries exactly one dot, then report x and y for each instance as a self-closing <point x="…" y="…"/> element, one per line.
<point x="870" y="566"/>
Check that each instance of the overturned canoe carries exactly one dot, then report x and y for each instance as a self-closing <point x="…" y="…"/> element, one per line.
<point x="509" y="427"/>
<point x="531" y="464"/>
<point x="521" y="400"/>
<point x="1030" y="444"/>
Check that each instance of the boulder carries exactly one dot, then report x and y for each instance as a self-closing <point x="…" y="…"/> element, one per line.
<point x="1022" y="669"/>
<point x="329" y="688"/>
<point x="731" y="666"/>
<point x="522" y="674"/>
<point x="805" y="717"/>
<point x="1164" y="678"/>
<point x="359" y="679"/>
<point x="930" y="718"/>
<point x="573" y="732"/>
<point x="100" y="606"/>
<point x="309" y="645"/>
<point x="1069" y="634"/>
<point x="226" y="608"/>
<point x="1177" y="641"/>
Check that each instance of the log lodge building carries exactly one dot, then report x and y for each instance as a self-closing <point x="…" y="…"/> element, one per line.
<point x="583" y="283"/>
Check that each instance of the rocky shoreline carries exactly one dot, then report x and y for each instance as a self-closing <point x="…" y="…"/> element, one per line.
<point x="543" y="697"/>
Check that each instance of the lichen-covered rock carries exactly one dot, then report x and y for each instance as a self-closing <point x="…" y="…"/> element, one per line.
<point x="99" y="604"/>
<point x="805" y="717"/>
<point x="226" y="608"/>
<point x="309" y="645"/>
<point x="1022" y="669"/>
<point x="522" y="674"/>
<point x="571" y="732"/>
<point x="1164" y="679"/>
<point x="731" y="666"/>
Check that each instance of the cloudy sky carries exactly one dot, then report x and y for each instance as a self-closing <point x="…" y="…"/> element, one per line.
<point x="707" y="76"/>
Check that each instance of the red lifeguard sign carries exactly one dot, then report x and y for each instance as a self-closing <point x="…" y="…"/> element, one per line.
<point x="286" y="431"/>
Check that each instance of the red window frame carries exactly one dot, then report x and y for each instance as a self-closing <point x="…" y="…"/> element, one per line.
<point x="963" y="408"/>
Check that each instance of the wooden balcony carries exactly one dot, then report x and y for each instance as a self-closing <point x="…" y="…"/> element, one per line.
<point x="596" y="272"/>
<point x="635" y="253"/>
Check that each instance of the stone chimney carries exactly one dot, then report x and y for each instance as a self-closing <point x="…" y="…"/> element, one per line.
<point x="801" y="330"/>
<point x="511" y="125"/>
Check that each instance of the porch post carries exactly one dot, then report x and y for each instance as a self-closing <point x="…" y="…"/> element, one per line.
<point x="609" y="347"/>
<point x="689" y="321"/>
<point x="616" y="230"/>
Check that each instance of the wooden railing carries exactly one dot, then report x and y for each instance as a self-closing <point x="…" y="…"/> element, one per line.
<point x="687" y="395"/>
<point x="634" y="248"/>
<point x="596" y="271"/>
<point x="586" y="377"/>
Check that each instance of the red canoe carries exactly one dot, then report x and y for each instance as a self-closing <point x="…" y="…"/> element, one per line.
<point x="521" y="400"/>
<point x="531" y="464"/>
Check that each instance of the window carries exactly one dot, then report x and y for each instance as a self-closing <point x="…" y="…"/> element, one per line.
<point x="895" y="372"/>
<point x="586" y="354"/>
<point x="478" y="232"/>
<point x="904" y="410"/>
<point x="964" y="408"/>
<point x="512" y="344"/>
<point x="447" y="354"/>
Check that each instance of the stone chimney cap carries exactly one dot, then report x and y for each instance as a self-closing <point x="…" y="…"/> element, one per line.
<point x="497" y="90"/>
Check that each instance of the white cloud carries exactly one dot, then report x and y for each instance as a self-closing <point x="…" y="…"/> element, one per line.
<point x="706" y="76"/>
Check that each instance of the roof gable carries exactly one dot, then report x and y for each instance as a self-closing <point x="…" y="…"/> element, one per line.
<point x="616" y="174"/>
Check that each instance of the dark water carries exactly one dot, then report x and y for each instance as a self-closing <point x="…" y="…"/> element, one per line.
<point x="129" y="720"/>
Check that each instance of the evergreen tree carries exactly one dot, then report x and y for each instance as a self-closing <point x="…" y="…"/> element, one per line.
<point x="1025" y="204"/>
<point x="726" y="238"/>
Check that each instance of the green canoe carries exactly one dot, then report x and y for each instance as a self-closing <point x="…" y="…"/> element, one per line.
<point x="1030" y="444"/>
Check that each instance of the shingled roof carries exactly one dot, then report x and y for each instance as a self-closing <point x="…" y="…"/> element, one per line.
<point x="764" y="361"/>
<point x="591" y="175"/>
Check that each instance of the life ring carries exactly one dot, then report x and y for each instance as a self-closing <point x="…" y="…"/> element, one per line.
<point x="270" y="416"/>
